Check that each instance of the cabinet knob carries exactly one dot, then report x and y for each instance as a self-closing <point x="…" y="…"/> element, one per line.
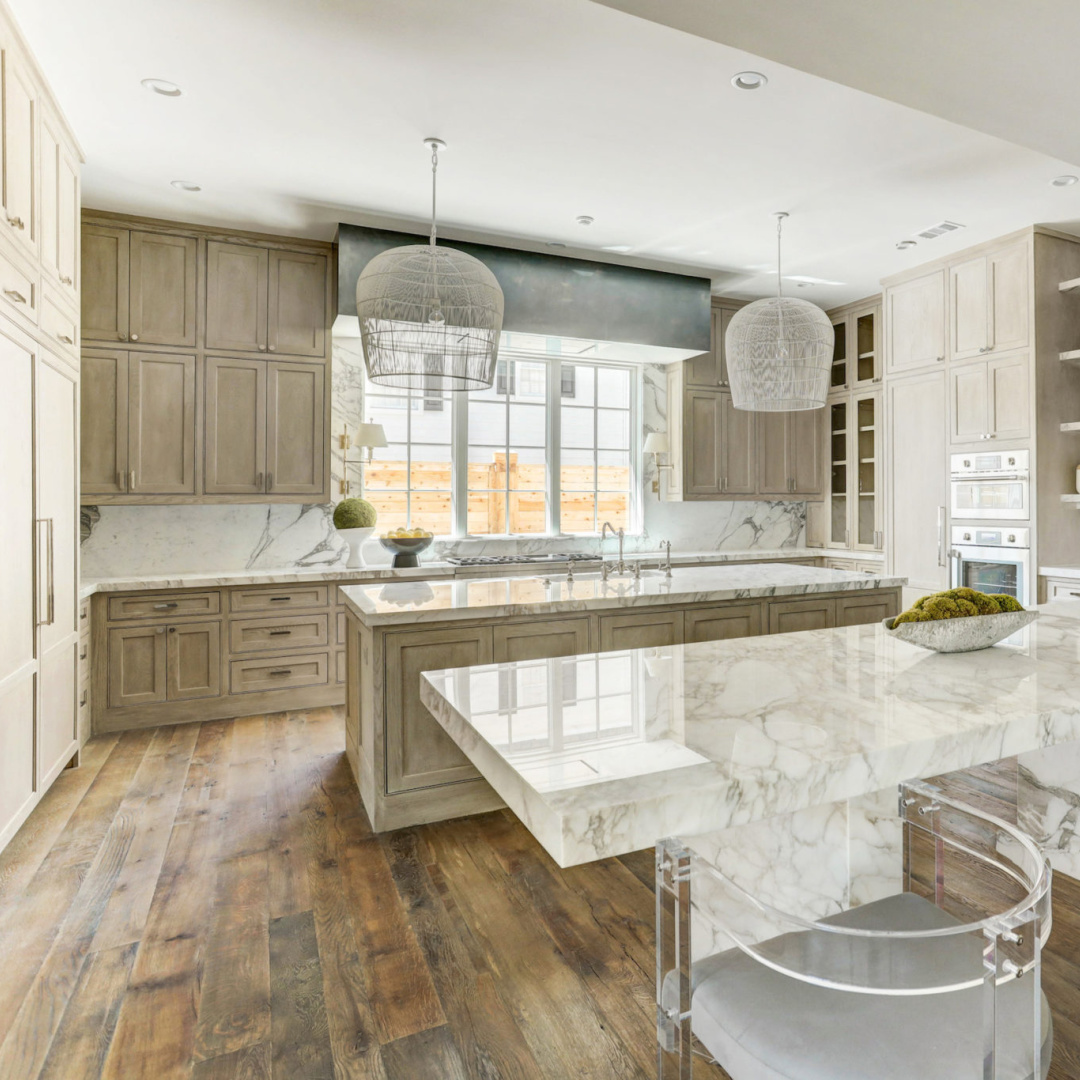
<point x="14" y="294"/>
<point x="939" y="359"/>
<point x="65" y="280"/>
<point x="262" y="348"/>
<point x="134" y="337"/>
<point x="16" y="222"/>
<point x="161" y="629"/>
<point x="65" y="339"/>
<point x="273" y="348"/>
<point x="122" y="337"/>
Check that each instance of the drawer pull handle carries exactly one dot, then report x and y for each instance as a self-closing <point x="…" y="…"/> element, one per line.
<point x="14" y="294"/>
<point x="82" y="614"/>
<point x="16" y="222"/>
<point x="281" y="671"/>
<point x="1074" y="594"/>
<point x="166" y="607"/>
<point x="65" y="280"/>
<point x="82" y="655"/>
<point x="279" y="599"/>
<point x="278" y="633"/>
<point x="82" y="700"/>
<point x="65" y="339"/>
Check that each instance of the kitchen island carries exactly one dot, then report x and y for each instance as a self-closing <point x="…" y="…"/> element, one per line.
<point x="410" y="771"/>
<point x="705" y="737"/>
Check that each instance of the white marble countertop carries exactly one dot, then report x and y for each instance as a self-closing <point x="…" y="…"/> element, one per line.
<point x="601" y="755"/>
<point x="436" y="569"/>
<point x="1060" y="571"/>
<point x="482" y="598"/>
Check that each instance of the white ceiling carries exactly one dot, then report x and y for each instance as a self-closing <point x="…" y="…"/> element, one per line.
<point x="298" y="115"/>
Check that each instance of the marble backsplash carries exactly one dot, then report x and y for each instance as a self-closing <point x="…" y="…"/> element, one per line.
<point x="179" y="539"/>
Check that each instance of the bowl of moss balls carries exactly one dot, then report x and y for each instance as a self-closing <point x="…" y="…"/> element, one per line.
<point x="960" y="620"/>
<point x="355" y="520"/>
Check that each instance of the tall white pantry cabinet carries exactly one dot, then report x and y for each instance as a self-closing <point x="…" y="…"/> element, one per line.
<point x="40" y="728"/>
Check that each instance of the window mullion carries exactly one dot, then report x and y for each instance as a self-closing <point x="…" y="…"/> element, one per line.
<point x="459" y="463"/>
<point x="553" y="448"/>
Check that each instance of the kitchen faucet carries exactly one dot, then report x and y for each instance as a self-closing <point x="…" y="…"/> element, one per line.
<point x="620" y="533"/>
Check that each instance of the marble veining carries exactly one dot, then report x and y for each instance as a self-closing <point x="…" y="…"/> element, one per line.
<point x="783" y="722"/>
<point x="534" y="595"/>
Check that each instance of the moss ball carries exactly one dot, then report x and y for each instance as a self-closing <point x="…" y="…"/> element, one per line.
<point x="1007" y="603"/>
<point x="354" y="514"/>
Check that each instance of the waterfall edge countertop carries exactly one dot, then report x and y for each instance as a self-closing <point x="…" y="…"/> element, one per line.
<point x="483" y="598"/>
<point x="688" y="739"/>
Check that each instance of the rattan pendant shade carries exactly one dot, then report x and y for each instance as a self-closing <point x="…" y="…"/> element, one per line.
<point x="430" y="317"/>
<point x="779" y="353"/>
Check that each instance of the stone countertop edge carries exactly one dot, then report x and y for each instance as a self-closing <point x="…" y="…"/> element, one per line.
<point x="205" y="579"/>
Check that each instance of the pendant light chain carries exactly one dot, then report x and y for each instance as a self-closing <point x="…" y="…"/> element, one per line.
<point x="434" y="172"/>
<point x="779" y="275"/>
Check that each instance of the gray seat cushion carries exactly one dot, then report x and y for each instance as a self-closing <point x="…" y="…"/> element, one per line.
<point x="763" y="1025"/>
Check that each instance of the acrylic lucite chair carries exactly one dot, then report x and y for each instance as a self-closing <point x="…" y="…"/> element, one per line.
<point x="877" y="939"/>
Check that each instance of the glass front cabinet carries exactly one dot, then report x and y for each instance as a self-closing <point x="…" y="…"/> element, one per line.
<point x="854" y="504"/>
<point x="857" y="346"/>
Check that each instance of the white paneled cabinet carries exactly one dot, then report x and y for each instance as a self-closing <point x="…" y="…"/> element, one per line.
<point x="989" y="300"/>
<point x="990" y="399"/>
<point x="915" y="323"/>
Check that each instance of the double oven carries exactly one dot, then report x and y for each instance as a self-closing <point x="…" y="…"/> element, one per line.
<point x="990" y="491"/>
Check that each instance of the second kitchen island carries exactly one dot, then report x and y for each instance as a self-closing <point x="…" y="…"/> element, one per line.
<point x="408" y="769"/>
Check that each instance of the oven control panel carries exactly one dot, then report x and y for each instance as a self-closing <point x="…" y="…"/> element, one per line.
<point x="973" y="536"/>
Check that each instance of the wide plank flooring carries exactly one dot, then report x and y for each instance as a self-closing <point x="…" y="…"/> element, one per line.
<point x="208" y="902"/>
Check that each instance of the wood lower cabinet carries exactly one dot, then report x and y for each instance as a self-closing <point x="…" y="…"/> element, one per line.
<point x="419" y="753"/>
<point x="792" y="616"/>
<point x="136" y="665"/>
<point x="860" y="610"/>
<point x="640" y="630"/>
<point x="193" y="661"/>
<point x="722" y="623"/>
<point x="540" y="639"/>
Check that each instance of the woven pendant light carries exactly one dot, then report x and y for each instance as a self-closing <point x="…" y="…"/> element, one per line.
<point x="779" y="351"/>
<point x="430" y="316"/>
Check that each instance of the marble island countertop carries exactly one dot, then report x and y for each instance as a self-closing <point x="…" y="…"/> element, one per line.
<point x="429" y="569"/>
<point x="694" y="738"/>
<point x="465" y="598"/>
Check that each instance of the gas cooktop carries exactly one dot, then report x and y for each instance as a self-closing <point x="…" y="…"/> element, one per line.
<point x="507" y="560"/>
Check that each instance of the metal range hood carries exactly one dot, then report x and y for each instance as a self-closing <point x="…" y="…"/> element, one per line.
<point x="561" y="306"/>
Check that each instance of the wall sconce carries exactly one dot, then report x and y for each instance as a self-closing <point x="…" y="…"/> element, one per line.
<point x="656" y="443"/>
<point x="368" y="437"/>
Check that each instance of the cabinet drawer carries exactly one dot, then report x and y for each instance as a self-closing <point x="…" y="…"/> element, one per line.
<point x="18" y="289"/>
<point x="260" y="635"/>
<point x="1062" y="589"/>
<point x="284" y="599"/>
<point x="59" y="325"/>
<point x="279" y="673"/>
<point x="163" y="606"/>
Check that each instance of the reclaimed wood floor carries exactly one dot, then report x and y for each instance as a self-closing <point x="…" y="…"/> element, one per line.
<point x="207" y="901"/>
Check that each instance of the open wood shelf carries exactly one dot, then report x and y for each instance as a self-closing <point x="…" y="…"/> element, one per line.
<point x="1073" y="500"/>
<point x="1073" y="355"/>
<point x="1071" y="285"/>
<point x="1071" y="427"/>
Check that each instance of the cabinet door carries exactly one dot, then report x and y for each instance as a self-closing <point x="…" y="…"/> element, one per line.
<point x="59" y="208"/>
<point x="58" y="734"/>
<point x="137" y="666"/>
<point x="295" y="417"/>
<point x="17" y="780"/>
<point x="704" y="370"/>
<point x="105" y="259"/>
<point x="419" y="753"/>
<point x="235" y="426"/>
<point x="861" y="610"/>
<point x="866" y="334"/>
<point x="16" y="533"/>
<point x="104" y="425"/>
<point x="720" y="348"/>
<point x="540" y="640"/>
<point x="773" y="433"/>
<point x="838" y="372"/>
<point x="737" y="447"/>
<point x="916" y="487"/>
<point x="791" y="616"/>
<point x="236" y="296"/>
<point x="970" y="414"/>
<point x="20" y="152"/>
<point x="296" y="310"/>
<point x="1008" y="383"/>
<point x="193" y="661"/>
<point x="970" y="317"/>
<point x="57" y="501"/>
<point x="804" y="451"/>
<point x="162" y="295"/>
<point x="840" y="466"/>
<point x="722" y="623"/>
<point x="641" y="630"/>
<point x="1009" y="299"/>
<point x="161" y="424"/>
<point x="915" y="322"/>
<point x="866" y="446"/>
<point x="703" y="468"/>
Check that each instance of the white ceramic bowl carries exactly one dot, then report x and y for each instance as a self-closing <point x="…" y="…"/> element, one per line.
<point x="966" y="634"/>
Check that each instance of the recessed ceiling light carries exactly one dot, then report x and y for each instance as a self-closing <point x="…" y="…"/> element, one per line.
<point x="619" y="249"/>
<point x="163" y="87"/>
<point x="556" y="244"/>
<point x="1064" y="181"/>
<point x="185" y="185"/>
<point x="749" y="80"/>
<point x="905" y="244"/>
<point x="584" y="219"/>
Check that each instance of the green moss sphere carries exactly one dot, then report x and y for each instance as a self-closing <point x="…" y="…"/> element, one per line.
<point x="354" y="514"/>
<point x="957" y="604"/>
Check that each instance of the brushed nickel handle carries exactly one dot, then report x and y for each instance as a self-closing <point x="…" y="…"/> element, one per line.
<point x="14" y="294"/>
<point x="120" y="480"/>
<point x="258" y="481"/>
<point x="65" y="280"/>
<point x="82" y="700"/>
<point x="270" y="481"/>
<point x="122" y="337"/>
<point x="273" y="348"/>
<point x="279" y="633"/>
<point x="16" y="222"/>
<point x="939" y="359"/>
<point x="132" y="488"/>
<point x="281" y="671"/>
<point x="262" y="348"/>
<point x="134" y="337"/>
<point x="65" y="339"/>
<point x="1074" y="594"/>
<point x="82" y="655"/>
<point x="172" y="629"/>
<point x="277" y="599"/>
<point x="166" y="607"/>
<point x="50" y="571"/>
<point x="160" y="630"/>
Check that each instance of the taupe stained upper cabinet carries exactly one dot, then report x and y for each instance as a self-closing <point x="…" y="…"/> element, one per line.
<point x="989" y="302"/>
<point x="20" y="152"/>
<point x="990" y="399"/>
<point x="915" y="322"/>
<point x="265" y="300"/>
<point x="104" y="408"/>
<point x="295" y="439"/>
<point x="138" y="286"/>
<point x="789" y="452"/>
<point x="59" y="209"/>
<point x="235" y="426"/>
<point x="857" y="346"/>
<point x="709" y="370"/>
<point x="737" y="429"/>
